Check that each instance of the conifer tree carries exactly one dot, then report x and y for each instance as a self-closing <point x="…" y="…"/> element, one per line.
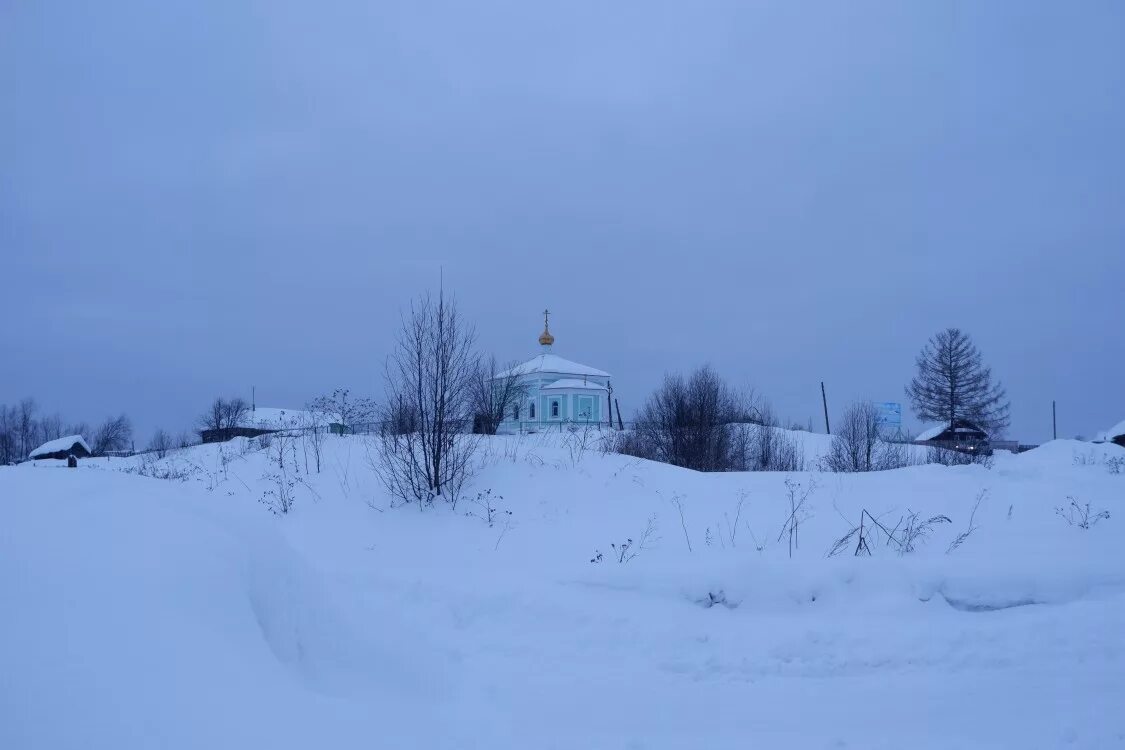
<point x="953" y="383"/>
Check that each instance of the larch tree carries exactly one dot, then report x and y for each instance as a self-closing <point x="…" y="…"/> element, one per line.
<point x="953" y="383"/>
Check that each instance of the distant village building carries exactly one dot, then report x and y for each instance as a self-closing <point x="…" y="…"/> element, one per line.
<point x="62" y="449"/>
<point x="263" y="420"/>
<point x="961" y="434"/>
<point x="556" y="392"/>
<point x="1115" y="434"/>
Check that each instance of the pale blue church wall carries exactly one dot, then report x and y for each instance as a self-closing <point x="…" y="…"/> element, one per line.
<point x="570" y="406"/>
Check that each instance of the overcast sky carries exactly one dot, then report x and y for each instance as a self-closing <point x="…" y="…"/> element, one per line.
<point x="198" y="197"/>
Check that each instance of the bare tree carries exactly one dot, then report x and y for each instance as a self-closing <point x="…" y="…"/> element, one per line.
<point x="314" y="426"/>
<point x="113" y="435"/>
<point x="26" y="426"/>
<point x="398" y="418"/>
<point x="51" y="428"/>
<point x="348" y="411"/>
<point x="77" y="428"/>
<point x="160" y="444"/>
<point x="764" y="446"/>
<point x="859" y="445"/>
<point x="429" y="375"/>
<point x="9" y="436"/>
<point x="953" y="383"/>
<point x="494" y="393"/>
<point x="223" y="414"/>
<point x="215" y="416"/>
<point x="284" y="480"/>
<point x="234" y="411"/>
<point x="686" y="422"/>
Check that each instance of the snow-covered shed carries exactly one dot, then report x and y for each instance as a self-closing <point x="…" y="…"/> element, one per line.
<point x="62" y="448"/>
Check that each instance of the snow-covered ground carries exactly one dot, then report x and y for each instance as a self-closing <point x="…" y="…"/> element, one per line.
<point x="180" y="613"/>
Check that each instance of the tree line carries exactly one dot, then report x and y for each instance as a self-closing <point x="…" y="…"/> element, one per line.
<point x="700" y="422"/>
<point x="440" y="392"/>
<point x="23" y="428"/>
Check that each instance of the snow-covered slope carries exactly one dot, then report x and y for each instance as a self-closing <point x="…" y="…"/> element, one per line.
<point x="169" y="613"/>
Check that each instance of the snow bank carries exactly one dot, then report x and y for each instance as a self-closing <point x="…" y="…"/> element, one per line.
<point x="183" y="614"/>
<point x="139" y="613"/>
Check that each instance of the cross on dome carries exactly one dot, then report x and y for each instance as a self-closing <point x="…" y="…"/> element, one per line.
<point x="545" y="338"/>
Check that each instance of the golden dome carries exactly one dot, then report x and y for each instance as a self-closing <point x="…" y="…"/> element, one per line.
<point x="545" y="338"/>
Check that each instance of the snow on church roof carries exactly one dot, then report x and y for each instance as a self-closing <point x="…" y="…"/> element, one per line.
<point x="553" y="363"/>
<point x="59" y="444"/>
<point x="574" y="383"/>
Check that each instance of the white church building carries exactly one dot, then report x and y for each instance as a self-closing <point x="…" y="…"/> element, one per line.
<point x="556" y="393"/>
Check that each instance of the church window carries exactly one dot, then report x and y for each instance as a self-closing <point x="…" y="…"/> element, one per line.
<point x="531" y="410"/>
<point x="585" y="407"/>
<point x="554" y="407"/>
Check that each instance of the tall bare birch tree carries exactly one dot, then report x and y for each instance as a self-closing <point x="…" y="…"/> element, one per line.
<point x="428" y="381"/>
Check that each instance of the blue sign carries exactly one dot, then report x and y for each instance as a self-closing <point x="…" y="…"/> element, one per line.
<point x="890" y="413"/>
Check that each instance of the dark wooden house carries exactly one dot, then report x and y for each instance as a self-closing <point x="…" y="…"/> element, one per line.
<point x="961" y="435"/>
<point x="1115" y="434"/>
<point x="61" y="449"/>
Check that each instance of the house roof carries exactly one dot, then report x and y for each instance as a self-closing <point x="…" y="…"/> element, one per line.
<point x="553" y="363"/>
<point x="1113" y="432"/>
<point x="573" y="384"/>
<point x="931" y="433"/>
<point x="270" y="418"/>
<point x="60" y="444"/>
<point x="960" y="426"/>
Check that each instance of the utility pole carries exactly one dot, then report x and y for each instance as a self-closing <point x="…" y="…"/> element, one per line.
<point x="824" y="398"/>
<point x="1054" y="423"/>
<point x="609" y="404"/>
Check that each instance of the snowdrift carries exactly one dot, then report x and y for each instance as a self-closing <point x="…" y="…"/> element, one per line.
<point x="180" y="612"/>
<point x="139" y="614"/>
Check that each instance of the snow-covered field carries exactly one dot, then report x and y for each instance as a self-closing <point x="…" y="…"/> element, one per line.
<point x="180" y="613"/>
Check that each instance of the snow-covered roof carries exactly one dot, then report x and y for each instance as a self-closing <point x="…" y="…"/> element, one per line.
<point x="574" y="384"/>
<point x="1113" y="432"/>
<point x="61" y="444"/>
<point x="553" y="363"/>
<point x="931" y="433"/>
<point x="962" y="427"/>
<point x="268" y="418"/>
